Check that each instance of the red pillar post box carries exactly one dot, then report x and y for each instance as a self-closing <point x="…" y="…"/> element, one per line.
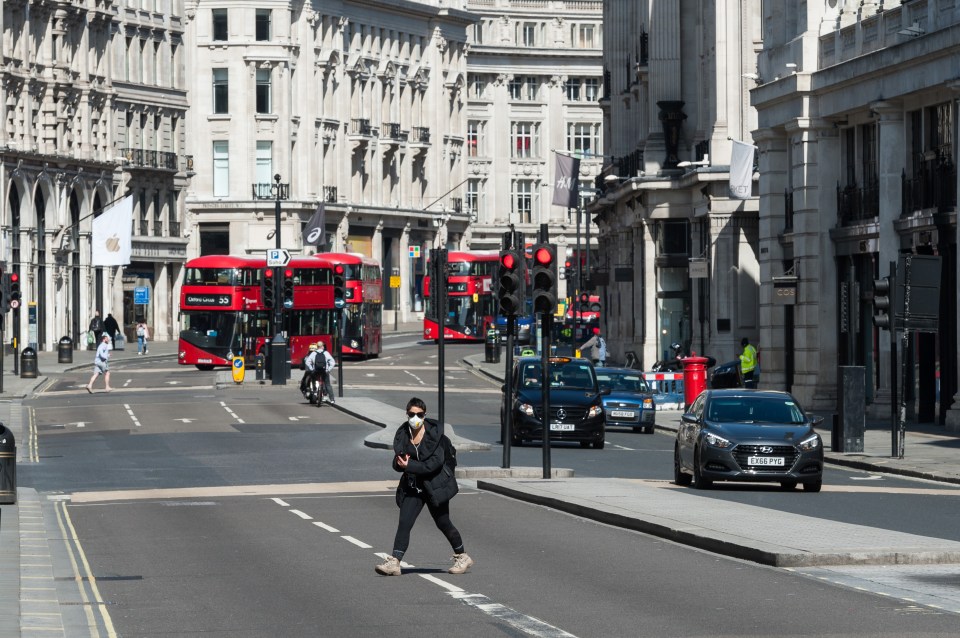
<point x="694" y="377"/>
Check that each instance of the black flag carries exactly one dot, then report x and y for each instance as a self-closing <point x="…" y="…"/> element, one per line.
<point x="566" y="189"/>
<point x="313" y="232"/>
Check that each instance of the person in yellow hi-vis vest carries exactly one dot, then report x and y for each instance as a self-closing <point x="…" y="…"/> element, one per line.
<point x="748" y="363"/>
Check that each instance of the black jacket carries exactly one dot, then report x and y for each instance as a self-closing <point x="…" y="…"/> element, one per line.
<point x="111" y="326"/>
<point x="426" y="475"/>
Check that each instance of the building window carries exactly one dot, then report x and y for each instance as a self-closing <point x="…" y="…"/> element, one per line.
<point x="528" y="34"/>
<point x="473" y="139"/>
<point x="221" y="91"/>
<point x="473" y="197"/>
<point x="573" y="89"/>
<point x="583" y="137"/>
<point x="264" y="162"/>
<point x="219" y="25"/>
<point x="263" y="90"/>
<point x="591" y="89"/>
<point x="524" y="143"/>
<point x="523" y="200"/>
<point x="263" y="25"/>
<point x="478" y="85"/>
<point x="531" y="84"/>
<point x="584" y="36"/>
<point x="515" y="88"/>
<point x="221" y="169"/>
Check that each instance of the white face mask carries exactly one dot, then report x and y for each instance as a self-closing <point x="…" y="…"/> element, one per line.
<point x="415" y="422"/>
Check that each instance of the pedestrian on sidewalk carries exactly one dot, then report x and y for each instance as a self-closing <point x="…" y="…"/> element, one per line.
<point x="96" y="326"/>
<point x="428" y="479"/>
<point x="111" y="327"/>
<point x="142" y="336"/>
<point x="101" y="364"/>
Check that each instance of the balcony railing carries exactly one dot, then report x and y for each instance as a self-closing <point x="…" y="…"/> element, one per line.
<point x="626" y="167"/>
<point x="420" y="134"/>
<point x="330" y="194"/>
<point x="361" y="127"/>
<point x="265" y="191"/>
<point x="146" y="158"/>
<point x="856" y="204"/>
<point x="457" y="204"/>
<point x="934" y="187"/>
<point x="391" y="130"/>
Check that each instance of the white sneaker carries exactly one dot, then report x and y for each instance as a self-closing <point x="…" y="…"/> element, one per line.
<point x="389" y="567"/>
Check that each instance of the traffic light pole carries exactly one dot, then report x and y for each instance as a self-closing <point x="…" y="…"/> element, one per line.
<point x="895" y="449"/>
<point x="506" y="435"/>
<point x="279" y="352"/>
<point x="546" y="319"/>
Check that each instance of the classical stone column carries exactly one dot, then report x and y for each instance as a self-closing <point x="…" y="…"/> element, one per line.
<point x="405" y="292"/>
<point x="890" y="145"/>
<point x="953" y="414"/>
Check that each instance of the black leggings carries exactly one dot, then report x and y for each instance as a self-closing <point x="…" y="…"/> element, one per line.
<point x="410" y="509"/>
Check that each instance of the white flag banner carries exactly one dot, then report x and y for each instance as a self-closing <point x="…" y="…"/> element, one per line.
<point x="113" y="235"/>
<point x="741" y="170"/>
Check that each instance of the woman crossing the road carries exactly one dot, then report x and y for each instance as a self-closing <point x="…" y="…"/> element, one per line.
<point x="101" y="364"/>
<point x="427" y="460"/>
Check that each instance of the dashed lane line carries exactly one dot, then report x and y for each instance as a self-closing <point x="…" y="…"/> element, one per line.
<point x="133" y="417"/>
<point x="231" y="412"/>
<point x="524" y="623"/>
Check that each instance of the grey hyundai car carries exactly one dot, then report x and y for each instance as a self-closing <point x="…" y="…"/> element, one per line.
<point x="748" y="435"/>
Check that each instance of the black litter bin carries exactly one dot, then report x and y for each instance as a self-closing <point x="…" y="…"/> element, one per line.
<point x="28" y="364"/>
<point x="65" y="350"/>
<point x="8" y="467"/>
<point x="492" y="347"/>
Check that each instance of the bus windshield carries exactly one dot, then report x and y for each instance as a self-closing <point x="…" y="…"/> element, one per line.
<point x="221" y="277"/>
<point x="208" y="330"/>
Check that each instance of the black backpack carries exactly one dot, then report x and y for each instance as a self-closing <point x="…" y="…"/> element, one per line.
<point x="449" y="452"/>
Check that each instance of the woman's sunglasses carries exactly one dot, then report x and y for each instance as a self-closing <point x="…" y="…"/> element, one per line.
<point x="412" y="413"/>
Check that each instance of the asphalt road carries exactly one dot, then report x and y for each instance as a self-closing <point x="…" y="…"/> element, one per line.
<point x="247" y="556"/>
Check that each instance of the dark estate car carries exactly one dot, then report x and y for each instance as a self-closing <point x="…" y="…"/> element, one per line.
<point x="576" y="409"/>
<point x="630" y="402"/>
<point x="748" y="435"/>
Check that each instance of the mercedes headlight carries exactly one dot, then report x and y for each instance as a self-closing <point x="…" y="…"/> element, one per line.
<point x="716" y="441"/>
<point x="526" y="408"/>
<point x="595" y="410"/>
<point x="810" y="443"/>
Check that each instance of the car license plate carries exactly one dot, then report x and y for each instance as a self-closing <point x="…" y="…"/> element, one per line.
<point x="623" y="414"/>
<point x="562" y="427"/>
<point x="765" y="460"/>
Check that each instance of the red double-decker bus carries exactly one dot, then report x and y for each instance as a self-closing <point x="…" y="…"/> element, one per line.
<point x="363" y="313"/>
<point x="471" y="306"/>
<point x="222" y="310"/>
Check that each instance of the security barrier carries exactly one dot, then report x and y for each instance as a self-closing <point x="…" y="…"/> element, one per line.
<point x="667" y="388"/>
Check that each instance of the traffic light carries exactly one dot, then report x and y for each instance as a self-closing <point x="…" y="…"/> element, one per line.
<point x="512" y="277"/>
<point x="4" y="293"/>
<point x="267" y="288"/>
<point x="882" y="308"/>
<point x="544" y="278"/>
<point x="12" y="297"/>
<point x="438" y="281"/>
<point x="339" y="286"/>
<point x="288" y="287"/>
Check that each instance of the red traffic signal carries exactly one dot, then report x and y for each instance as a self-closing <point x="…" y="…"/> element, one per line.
<point x="512" y="279"/>
<point x="544" y="278"/>
<point x="544" y="256"/>
<point x="508" y="260"/>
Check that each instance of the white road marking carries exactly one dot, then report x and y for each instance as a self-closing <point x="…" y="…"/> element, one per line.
<point x="358" y="543"/>
<point x="280" y="501"/>
<point x="302" y="515"/>
<point x="295" y="418"/>
<point x="369" y="374"/>
<point x="419" y="380"/>
<point x="133" y="416"/>
<point x="875" y="477"/>
<point x="437" y="581"/>
<point x="127" y="382"/>
<point x="231" y="412"/>
<point x="172" y="382"/>
<point x="185" y="420"/>
<point x="621" y="447"/>
<point x="79" y="424"/>
<point x="326" y="527"/>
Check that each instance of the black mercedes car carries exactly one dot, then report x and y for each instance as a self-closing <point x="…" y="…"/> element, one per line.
<point x="748" y="435"/>
<point x="576" y="407"/>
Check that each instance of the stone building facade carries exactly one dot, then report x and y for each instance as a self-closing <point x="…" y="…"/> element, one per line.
<point x="92" y="108"/>
<point x="857" y="107"/>
<point x="359" y="105"/>
<point x="534" y="87"/>
<point x="681" y="258"/>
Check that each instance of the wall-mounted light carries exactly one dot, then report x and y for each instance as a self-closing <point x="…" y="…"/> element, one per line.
<point x="752" y="76"/>
<point x="704" y="162"/>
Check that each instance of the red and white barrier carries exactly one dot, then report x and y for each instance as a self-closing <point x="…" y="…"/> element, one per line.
<point x="668" y="387"/>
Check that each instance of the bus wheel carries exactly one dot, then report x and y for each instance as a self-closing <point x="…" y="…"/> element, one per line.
<point x="205" y="367"/>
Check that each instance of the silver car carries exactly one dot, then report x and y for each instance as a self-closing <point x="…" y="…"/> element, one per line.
<point x="748" y="435"/>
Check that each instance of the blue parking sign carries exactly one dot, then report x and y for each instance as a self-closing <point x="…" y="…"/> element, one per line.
<point x="141" y="295"/>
